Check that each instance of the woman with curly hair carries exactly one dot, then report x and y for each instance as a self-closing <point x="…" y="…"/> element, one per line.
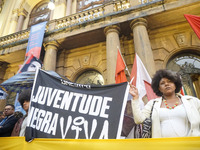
<point x="173" y="115"/>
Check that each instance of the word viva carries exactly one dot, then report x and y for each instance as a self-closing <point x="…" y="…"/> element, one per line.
<point x="47" y="122"/>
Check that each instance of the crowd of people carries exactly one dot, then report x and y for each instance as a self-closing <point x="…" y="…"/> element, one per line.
<point x="173" y="115"/>
<point x="14" y="123"/>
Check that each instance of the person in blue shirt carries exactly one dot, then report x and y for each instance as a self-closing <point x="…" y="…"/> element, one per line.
<point x="7" y="124"/>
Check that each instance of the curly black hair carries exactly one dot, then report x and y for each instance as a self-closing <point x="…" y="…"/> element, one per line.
<point x="164" y="73"/>
<point x="25" y="95"/>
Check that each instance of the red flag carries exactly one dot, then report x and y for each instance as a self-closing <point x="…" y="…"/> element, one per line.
<point x="120" y="75"/>
<point x="149" y="90"/>
<point x="194" y="22"/>
<point x="183" y="92"/>
<point x="140" y="76"/>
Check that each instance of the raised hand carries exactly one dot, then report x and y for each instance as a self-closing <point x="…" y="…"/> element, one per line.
<point x="134" y="92"/>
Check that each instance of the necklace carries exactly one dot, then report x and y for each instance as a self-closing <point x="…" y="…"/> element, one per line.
<point x="167" y="106"/>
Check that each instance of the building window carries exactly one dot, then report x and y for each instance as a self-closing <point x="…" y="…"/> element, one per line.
<point x="90" y="77"/>
<point x="40" y="13"/>
<point x="188" y="66"/>
<point x="88" y="4"/>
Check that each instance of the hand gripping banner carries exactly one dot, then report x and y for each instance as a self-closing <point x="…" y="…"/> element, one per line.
<point x="63" y="109"/>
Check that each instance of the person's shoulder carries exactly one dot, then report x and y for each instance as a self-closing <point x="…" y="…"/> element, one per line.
<point x="189" y="97"/>
<point x="13" y="118"/>
<point x="154" y="101"/>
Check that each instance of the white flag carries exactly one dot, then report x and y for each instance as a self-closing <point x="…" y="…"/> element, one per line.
<point x="139" y="74"/>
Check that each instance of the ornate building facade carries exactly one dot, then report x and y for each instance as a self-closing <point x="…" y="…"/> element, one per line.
<point x="82" y="37"/>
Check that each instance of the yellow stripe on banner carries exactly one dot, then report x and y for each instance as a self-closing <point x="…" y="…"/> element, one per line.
<point x="19" y="143"/>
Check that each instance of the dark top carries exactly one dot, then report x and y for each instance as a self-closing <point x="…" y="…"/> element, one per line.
<point x="7" y="127"/>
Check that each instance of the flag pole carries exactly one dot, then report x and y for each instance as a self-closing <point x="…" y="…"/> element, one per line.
<point x="124" y="61"/>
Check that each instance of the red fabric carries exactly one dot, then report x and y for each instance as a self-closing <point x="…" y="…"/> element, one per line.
<point x="120" y="75"/>
<point x="182" y="92"/>
<point x="194" y="22"/>
<point x="134" y="72"/>
<point x="35" y="52"/>
<point x="149" y="90"/>
<point x="29" y="59"/>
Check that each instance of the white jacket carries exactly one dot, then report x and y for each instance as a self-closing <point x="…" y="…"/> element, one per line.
<point x="191" y="104"/>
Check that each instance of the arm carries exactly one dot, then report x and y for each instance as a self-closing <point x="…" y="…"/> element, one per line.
<point x="138" y="114"/>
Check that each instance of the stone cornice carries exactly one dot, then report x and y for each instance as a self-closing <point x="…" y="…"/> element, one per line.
<point x="90" y="19"/>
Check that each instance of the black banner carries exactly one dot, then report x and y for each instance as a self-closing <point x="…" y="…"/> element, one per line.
<point x="63" y="109"/>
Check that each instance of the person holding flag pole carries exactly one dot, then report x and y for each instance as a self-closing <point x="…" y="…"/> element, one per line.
<point x="173" y="114"/>
<point x="170" y="89"/>
<point x="142" y="80"/>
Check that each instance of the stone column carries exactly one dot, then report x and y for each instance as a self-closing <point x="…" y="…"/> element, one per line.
<point x="142" y="44"/>
<point x="69" y="6"/>
<point x="60" y="9"/>
<point x="112" y="44"/>
<point x="22" y="15"/>
<point x="13" y="21"/>
<point x="51" y="49"/>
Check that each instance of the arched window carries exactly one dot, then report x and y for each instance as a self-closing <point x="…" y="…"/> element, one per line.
<point x="40" y="13"/>
<point x="188" y="66"/>
<point x="88" y="4"/>
<point x="90" y="77"/>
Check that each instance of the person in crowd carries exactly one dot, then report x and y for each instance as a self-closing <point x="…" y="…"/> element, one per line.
<point x="20" y="126"/>
<point x="173" y="115"/>
<point x="7" y="124"/>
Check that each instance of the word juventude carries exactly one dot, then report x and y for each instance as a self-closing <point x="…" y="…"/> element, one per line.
<point x="82" y="103"/>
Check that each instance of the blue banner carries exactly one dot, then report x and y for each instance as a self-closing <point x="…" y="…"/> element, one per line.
<point x="35" y="39"/>
<point x="18" y="106"/>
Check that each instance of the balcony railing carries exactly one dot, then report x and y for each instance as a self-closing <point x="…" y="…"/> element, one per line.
<point x="56" y="25"/>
